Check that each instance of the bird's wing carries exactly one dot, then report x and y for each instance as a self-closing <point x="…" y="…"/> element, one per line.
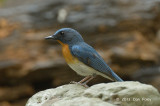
<point x="90" y="57"/>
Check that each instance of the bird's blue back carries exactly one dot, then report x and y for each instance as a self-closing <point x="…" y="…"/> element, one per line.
<point x="90" y="57"/>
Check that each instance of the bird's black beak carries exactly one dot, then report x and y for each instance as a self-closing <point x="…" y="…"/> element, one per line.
<point x="50" y="37"/>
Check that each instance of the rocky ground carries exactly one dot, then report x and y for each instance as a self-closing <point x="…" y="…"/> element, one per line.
<point x="125" y="33"/>
<point x="127" y="93"/>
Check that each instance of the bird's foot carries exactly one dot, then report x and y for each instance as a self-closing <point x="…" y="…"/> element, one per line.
<point x="82" y="84"/>
<point x="73" y="82"/>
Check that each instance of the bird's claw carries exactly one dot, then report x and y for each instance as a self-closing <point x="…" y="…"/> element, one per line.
<point x="82" y="84"/>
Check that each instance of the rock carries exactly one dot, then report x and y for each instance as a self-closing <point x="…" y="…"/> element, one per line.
<point x="104" y="94"/>
<point x="82" y="101"/>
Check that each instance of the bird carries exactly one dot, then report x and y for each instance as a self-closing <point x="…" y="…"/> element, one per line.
<point x="81" y="57"/>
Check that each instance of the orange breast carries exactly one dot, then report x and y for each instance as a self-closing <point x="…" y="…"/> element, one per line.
<point x="66" y="53"/>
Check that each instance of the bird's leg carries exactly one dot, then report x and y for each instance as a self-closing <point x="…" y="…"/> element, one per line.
<point x="84" y="79"/>
<point x="91" y="77"/>
<point x="82" y="82"/>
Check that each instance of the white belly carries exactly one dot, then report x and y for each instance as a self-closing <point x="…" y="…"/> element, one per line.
<point x="84" y="70"/>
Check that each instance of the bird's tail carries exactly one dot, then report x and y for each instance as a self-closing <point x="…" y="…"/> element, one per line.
<point x="115" y="77"/>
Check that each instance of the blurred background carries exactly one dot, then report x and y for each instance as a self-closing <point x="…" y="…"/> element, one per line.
<point x="126" y="33"/>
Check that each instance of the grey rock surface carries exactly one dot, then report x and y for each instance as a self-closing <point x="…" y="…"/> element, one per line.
<point x="127" y="93"/>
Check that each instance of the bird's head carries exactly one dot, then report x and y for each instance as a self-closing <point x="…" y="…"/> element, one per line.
<point x="66" y="36"/>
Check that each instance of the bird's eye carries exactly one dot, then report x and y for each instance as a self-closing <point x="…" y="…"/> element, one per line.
<point x="62" y="33"/>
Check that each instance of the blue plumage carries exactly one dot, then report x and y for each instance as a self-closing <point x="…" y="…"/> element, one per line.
<point x="90" y="57"/>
